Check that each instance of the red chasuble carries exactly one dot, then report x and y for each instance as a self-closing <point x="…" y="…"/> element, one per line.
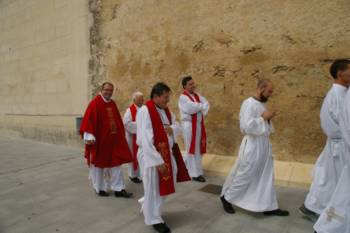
<point x="133" y="111"/>
<point x="203" y="141"/>
<point x="161" y="143"/>
<point x="103" y="121"/>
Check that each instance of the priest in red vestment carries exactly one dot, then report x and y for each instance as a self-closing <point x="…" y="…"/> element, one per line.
<point x="162" y="163"/>
<point x="106" y="148"/>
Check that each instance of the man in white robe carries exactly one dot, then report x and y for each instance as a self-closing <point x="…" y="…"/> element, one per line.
<point x="129" y="121"/>
<point x="335" y="217"/>
<point x="192" y="111"/>
<point x="152" y="160"/>
<point x="330" y="163"/>
<point x="250" y="184"/>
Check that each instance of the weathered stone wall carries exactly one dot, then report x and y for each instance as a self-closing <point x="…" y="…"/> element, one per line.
<point x="44" y="54"/>
<point x="226" y="46"/>
<point x="55" y="53"/>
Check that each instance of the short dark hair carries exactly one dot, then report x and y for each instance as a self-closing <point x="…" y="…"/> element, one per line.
<point x="106" y="83"/>
<point x="159" y="89"/>
<point x="185" y="80"/>
<point x="338" y="65"/>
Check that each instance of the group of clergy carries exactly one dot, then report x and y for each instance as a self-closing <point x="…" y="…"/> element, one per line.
<point x="145" y="140"/>
<point x="328" y="201"/>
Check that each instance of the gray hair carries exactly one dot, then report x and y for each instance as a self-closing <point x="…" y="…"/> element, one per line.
<point x="136" y="94"/>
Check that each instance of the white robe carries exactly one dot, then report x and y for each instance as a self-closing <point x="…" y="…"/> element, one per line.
<point x="103" y="179"/>
<point x="330" y="163"/>
<point x="335" y="218"/>
<point x="187" y="108"/>
<point x="130" y="129"/>
<point x="151" y="202"/>
<point x="250" y="184"/>
<point x="339" y="203"/>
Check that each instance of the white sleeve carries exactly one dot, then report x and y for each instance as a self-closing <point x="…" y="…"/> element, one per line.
<point x="330" y="114"/>
<point x="345" y="119"/>
<point x="89" y="137"/>
<point x="334" y="107"/>
<point x="175" y="126"/>
<point x="130" y="126"/>
<point x="250" y="123"/>
<point x="145" y="140"/>
<point x="205" y="105"/>
<point x="189" y="107"/>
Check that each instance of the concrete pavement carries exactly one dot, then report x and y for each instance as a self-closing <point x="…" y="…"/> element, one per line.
<point x="45" y="189"/>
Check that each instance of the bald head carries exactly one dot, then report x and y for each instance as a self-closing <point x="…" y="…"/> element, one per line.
<point x="264" y="90"/>
<point x="262" y="83"/>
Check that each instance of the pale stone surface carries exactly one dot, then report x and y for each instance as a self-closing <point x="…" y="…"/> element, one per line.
<point x="44" y="53"/>
<point x="55" y="53"/>
<point x="45" y="189"/>
<point x="226" y="46"/>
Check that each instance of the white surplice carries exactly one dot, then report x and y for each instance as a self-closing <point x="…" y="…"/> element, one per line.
<point x="187" y="108"/>
<point x="250" y="184"/>
<point x="330" y="163"/>
<point x="335" y="218"/>
<point x="150" y="158"/>
<point x="130" y="129"/>
<point x="103" y="179"/>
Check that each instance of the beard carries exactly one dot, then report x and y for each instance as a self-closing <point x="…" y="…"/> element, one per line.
<point x="107" y="97"/>
<point x="263" y="98"/>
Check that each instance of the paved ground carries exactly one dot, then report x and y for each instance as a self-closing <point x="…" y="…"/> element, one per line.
<point x="44" y="189"/>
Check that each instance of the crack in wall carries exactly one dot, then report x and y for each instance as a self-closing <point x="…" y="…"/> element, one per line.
<point x="96" y="68"/>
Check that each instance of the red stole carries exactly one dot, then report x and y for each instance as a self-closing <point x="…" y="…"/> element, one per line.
<point x="203" y="141"/>
<point x="161" y="143"/>
<point x="133" y="111"/>
<point x="103" y="120"/>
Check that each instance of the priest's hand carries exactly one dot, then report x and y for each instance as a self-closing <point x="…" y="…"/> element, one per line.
<point x="169" y="130"/>
<point x="163" y="169"/>
<point x="268" y="114"/>
<point x="89" y="142"/>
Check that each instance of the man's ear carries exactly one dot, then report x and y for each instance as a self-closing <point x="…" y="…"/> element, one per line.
<point x="340" y="73"/>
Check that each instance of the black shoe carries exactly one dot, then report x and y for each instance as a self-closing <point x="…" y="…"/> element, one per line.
<point x="199" y="179"/>
<point x="136" y="180"/>
<point x="161" y="228"/>
<point x="312" y="216"/>
<point x="227" y="206"/>
<point x="122" y="193"/>
<point x="103" y="194"/>
<point x="277" y="212"/>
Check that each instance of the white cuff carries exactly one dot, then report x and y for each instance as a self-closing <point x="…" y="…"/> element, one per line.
<point x="89" y="137"/>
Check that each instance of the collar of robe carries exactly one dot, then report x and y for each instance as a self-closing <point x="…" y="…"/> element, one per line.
<point x="158" y="106"/>
<point x="257" y="99"/>
<point x="106" y="101"/>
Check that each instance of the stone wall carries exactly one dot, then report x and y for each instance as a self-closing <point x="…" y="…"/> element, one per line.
<point x="55" y="53"/>
<point x="44" y="54"/>
<point x="227" y="46"/>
